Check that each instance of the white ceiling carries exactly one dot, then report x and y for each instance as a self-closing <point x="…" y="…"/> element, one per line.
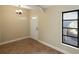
<point x="38" y="6"/>
<point x="33" y="6"/>
<point x="45" y="6"/>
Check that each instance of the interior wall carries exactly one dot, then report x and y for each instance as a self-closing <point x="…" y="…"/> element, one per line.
<point x="0" y="24"/>
<point x="0" y="27"/>
<point x="50" y="26"/>
<point x="13" y="25"/>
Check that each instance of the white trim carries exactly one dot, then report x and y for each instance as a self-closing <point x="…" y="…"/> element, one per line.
<point x="59" y="49"/>
<point x="14" y="40"/>
<point x="69" y="46"/>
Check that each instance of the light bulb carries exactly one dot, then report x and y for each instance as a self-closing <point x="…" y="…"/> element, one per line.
<point x="19" y="12"/>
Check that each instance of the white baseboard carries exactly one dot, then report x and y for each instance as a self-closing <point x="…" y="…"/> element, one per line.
<point x="14" y="40"/>
<point x="61" y="50"/>
<point x="69" y="46"/>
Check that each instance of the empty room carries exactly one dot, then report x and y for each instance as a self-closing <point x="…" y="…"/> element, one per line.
<point x="39" y="29"/>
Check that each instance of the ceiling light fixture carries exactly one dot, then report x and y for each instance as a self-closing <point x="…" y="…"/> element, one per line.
<point x="19" y="11"/>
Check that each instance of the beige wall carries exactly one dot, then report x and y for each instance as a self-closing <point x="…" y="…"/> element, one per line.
<point x="50" y="26"/>
<point x="0" y="27"/>
<point x="0" y="24"/>
<point x="13" y="26"/>
<point x="54" y="15"/>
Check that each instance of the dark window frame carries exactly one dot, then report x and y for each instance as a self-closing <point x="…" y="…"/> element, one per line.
<point x="71" y="28"/>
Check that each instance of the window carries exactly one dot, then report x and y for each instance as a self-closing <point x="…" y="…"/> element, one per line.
<point x="70" y="27"/>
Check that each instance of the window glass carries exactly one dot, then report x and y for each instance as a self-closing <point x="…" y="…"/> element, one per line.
<point x="70" y="15"/>
<point x="72" y="32"/>
<point x="70" y="24"/>
<point x="64" y="31"/>
<point x="70" y="40"/>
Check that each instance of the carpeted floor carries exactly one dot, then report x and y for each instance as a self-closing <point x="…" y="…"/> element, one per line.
<point x="27" y="46"/>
